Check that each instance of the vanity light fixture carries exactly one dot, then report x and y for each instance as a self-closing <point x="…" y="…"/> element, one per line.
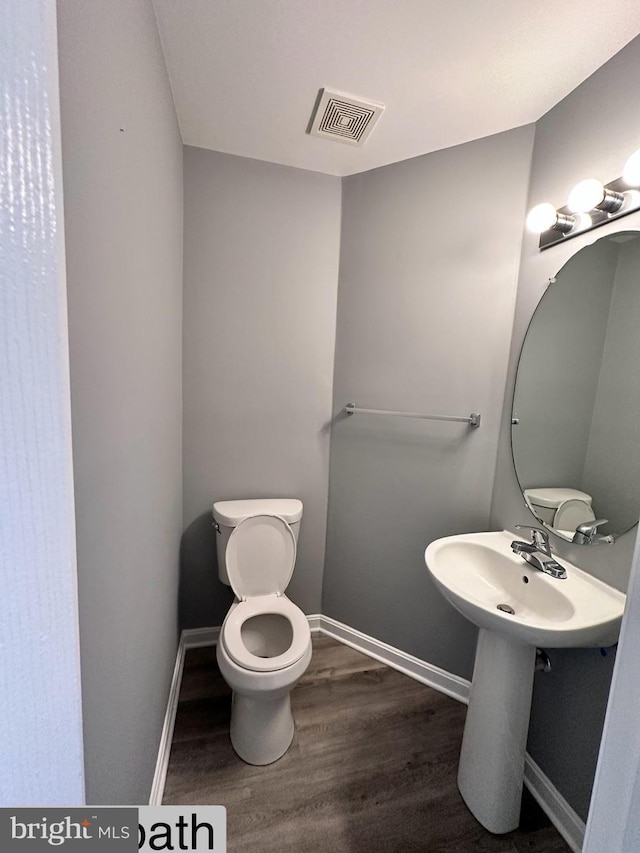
<point x="590" y="204"/>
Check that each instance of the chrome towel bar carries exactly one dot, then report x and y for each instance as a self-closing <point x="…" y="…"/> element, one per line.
<point x="473" y="419"/>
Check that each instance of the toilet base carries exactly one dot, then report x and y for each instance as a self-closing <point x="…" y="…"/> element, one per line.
<point x="261" y="731"/>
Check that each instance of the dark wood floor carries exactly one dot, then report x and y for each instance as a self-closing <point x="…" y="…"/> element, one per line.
<point x="372" y="767"/>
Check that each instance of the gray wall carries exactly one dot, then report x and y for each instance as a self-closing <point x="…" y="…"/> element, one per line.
<point x="122" y="160"/>
<point x="559" y="369"/>
<point x="569" y="702"/>
<point x="425" y="310"/>
<point x="260" y="283"/>
<point x="612" y="464"/>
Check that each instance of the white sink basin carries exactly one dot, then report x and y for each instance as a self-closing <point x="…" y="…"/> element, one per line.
<point x="476" y="572"/>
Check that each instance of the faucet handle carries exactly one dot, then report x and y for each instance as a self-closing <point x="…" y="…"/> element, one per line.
<point x="539" y="537"/>
<point x="590" y="527"/>
<point x="586" y="533"/>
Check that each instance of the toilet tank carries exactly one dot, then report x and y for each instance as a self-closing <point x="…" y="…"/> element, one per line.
<point x="228" y="514"/>
<point x="544" y="502"/>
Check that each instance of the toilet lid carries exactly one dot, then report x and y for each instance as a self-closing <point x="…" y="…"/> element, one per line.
<point x="260" y="555"/>
<point x="570" y="514"/>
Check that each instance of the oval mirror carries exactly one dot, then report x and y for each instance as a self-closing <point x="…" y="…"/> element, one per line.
<point x="575" y="432"/>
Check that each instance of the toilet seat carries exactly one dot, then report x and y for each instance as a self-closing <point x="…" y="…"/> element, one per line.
<point x="571" y="513"/>
<point x="260" y="556"/>
<point x="264" y="605"/>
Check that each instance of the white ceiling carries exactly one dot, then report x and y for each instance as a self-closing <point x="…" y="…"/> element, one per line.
<point x="245" y="73"/>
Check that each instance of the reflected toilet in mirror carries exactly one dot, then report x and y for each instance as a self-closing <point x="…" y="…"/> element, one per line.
<point x="563" y="510"/>
<point x="576" y="409"/>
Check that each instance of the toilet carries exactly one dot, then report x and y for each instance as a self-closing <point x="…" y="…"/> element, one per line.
<point x="264" y="646"/>
<point x="560" y="508"/>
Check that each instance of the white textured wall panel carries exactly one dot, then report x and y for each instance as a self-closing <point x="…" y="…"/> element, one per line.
<point x="40" y="710"/>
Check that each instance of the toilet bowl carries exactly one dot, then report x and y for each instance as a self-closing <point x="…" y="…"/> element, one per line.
<point x="264" y="646"/>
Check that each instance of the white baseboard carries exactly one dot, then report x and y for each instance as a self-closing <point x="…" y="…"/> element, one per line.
<point x="315" y="620"/>
<point x="557" y="809"/>
<point x="160" y="775"/>
<point x="570" y="826"/>
<point x="454" y="686"/>
<point x="191" y="638"/>
<point x="196" y="638"/>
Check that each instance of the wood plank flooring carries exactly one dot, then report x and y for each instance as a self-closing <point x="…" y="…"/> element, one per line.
<point x="372" y="768"/>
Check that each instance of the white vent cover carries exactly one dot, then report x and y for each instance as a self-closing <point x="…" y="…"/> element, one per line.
<point x="344" y="118"/>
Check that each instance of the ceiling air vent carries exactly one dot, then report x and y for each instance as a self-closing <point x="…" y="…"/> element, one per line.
<point x="344" y="118"/>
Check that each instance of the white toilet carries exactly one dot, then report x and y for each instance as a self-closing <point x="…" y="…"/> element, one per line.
<point x="562" y="509"/>
<point x="264" y="646"/>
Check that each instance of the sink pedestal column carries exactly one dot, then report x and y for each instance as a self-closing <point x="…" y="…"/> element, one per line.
<point x="491" y="766"/>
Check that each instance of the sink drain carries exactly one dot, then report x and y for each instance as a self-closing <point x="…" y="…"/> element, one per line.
<point x="506" y="609"/>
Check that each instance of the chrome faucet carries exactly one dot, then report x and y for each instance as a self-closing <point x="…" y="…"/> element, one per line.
<point x="586" y="533"/>
<point x="538" y="552"/>
<point x="539" y="538"/>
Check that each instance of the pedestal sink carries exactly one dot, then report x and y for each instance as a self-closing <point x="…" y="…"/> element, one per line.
<point x="516" y="608"/>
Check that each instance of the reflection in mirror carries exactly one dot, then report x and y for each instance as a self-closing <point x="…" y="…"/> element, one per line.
<point x="576" y="411"/>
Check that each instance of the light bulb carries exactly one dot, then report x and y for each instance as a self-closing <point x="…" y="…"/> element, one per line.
<point x="541" y="218"/>
<point x="585" y="196"/>
<point x="631" y="173"/>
